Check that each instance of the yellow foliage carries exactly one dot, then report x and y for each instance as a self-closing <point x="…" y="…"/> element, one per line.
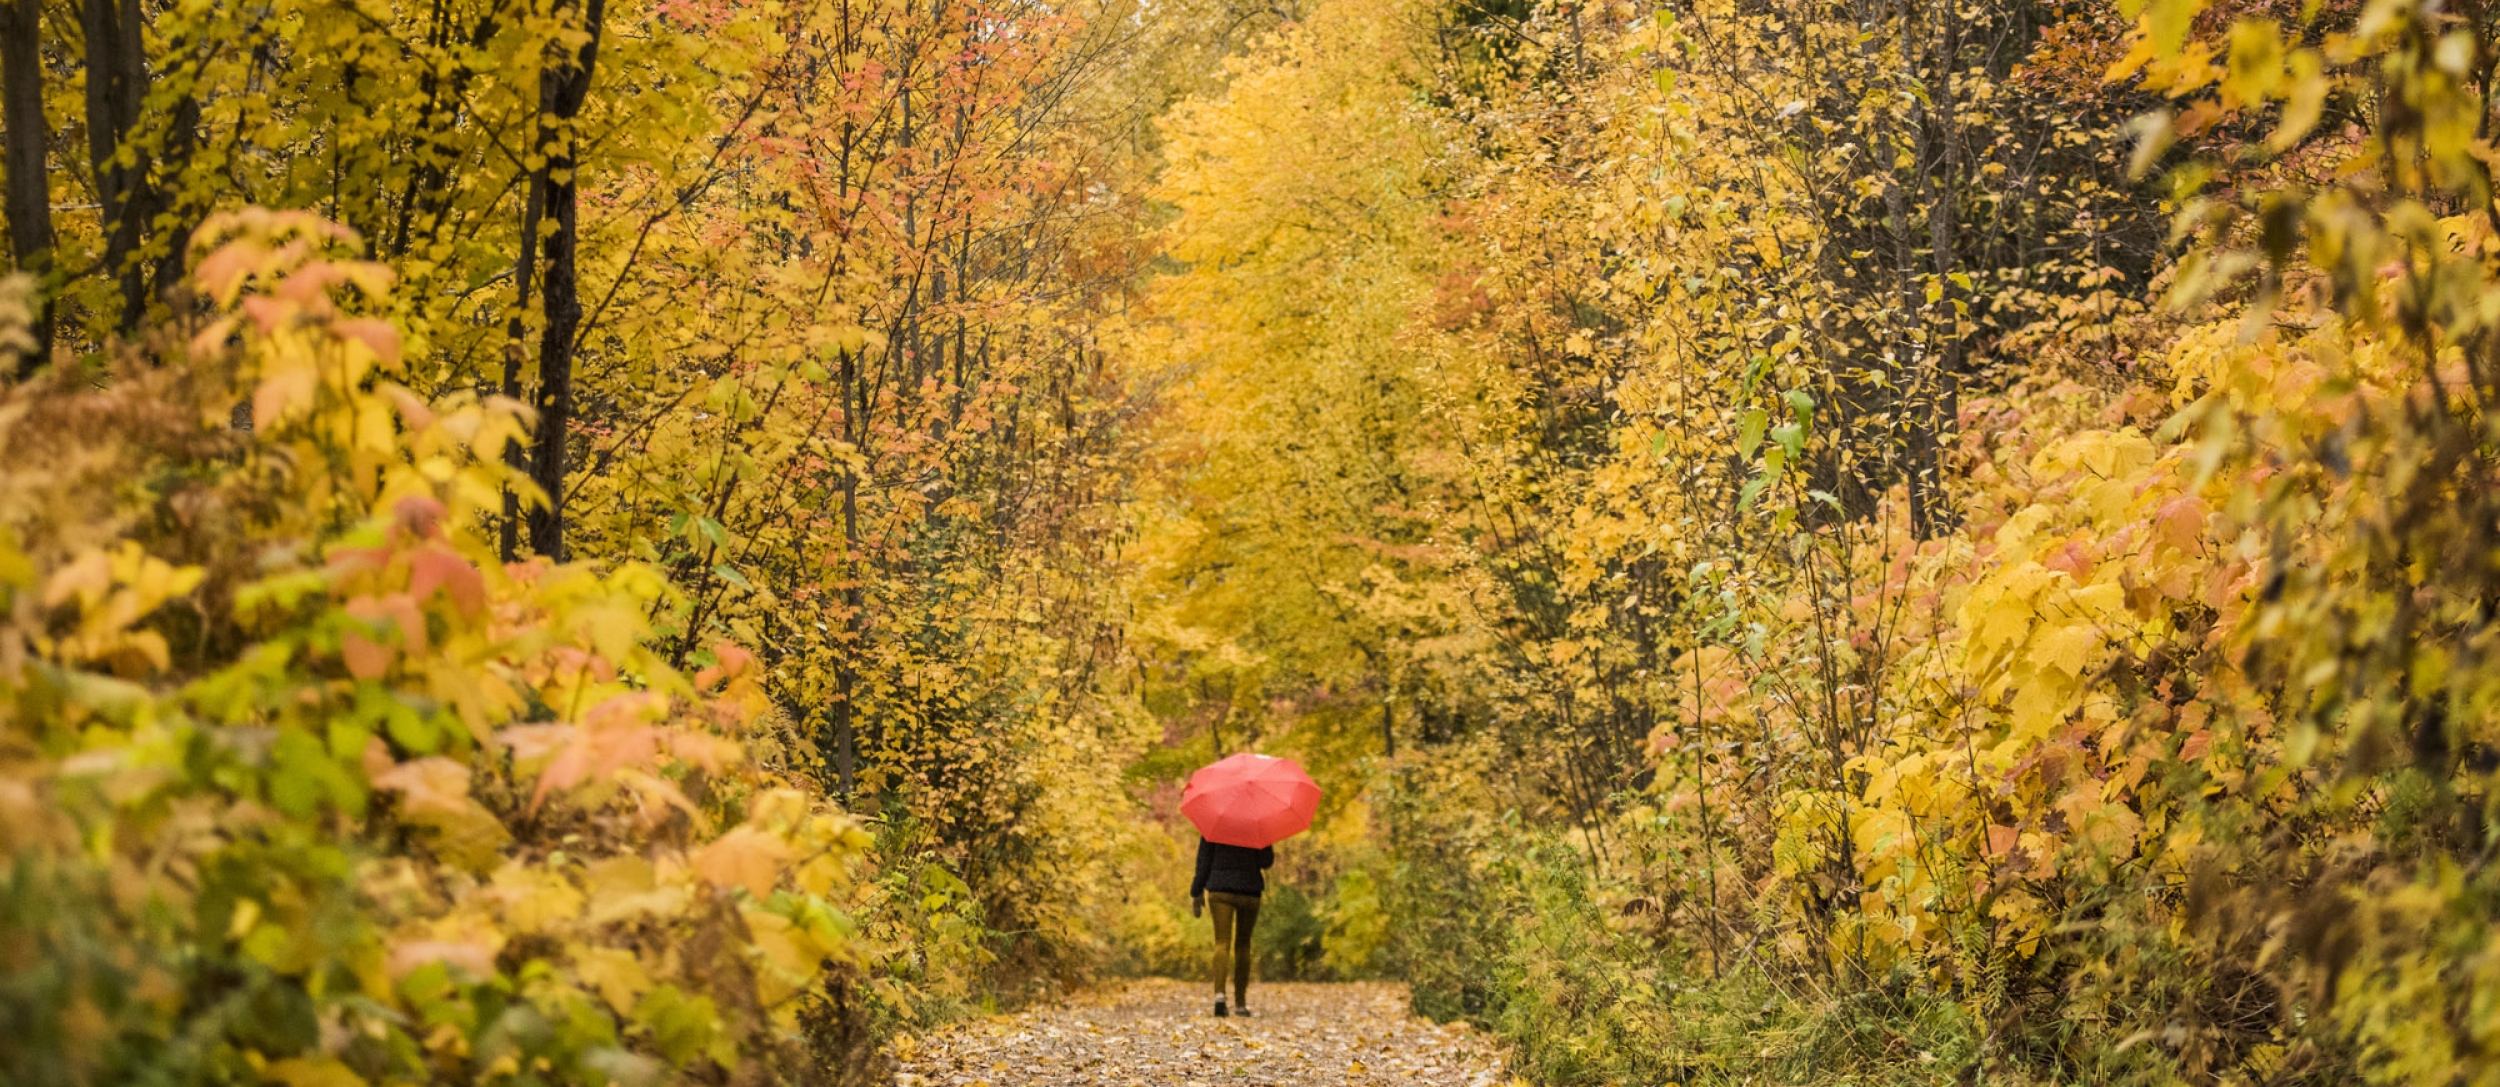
<point x="350" y="668"/>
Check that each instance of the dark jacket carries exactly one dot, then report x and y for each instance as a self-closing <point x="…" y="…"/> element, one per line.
<point x="1231" y="869"/>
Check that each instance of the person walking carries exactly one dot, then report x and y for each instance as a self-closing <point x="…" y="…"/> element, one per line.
<point x="1230" y="880"/>
<point x="1242" y="805"/>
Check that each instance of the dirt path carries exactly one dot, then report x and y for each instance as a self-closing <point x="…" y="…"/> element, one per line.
<point x="1162" y="1034"/>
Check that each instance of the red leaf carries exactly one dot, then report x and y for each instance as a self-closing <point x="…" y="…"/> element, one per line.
<point x="420" y="515"/>
<point x="434" y="567"/>
<point x="2198" y="742"/>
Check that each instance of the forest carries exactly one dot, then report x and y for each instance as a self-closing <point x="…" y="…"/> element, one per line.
<point x="1818" y="542"/>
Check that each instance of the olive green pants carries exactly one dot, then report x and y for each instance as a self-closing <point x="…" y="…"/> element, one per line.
<point x="1235" y="915"/>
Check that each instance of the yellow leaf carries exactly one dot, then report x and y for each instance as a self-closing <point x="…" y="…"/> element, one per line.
<point x="616" y="974"/>
<point x="2256" y="64"/>
<point x="435" y="795"/>
<point x="534" y="898"/>
<point x="790" y="957"/>
<point x="626" y="887"/>
<point x="312" y="1072"/>
<point x="2039" y="705"/>
<point x="2305" y="104"/>
<point x="2067" y="648"/>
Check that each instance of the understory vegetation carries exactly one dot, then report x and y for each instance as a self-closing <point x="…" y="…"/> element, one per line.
<point x="558" y="541"/>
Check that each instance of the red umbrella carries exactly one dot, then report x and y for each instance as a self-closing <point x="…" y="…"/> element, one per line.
<point x="1250" y="800"/>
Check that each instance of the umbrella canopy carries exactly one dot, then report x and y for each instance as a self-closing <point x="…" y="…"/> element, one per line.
<point x="1250" y="800"/>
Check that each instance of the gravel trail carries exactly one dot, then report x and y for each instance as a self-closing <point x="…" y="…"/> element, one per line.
<point x="1163" y="1034"/>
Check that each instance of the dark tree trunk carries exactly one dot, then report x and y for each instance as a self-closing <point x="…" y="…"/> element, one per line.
<point x="29" y="200"/>
<point x="562" y="90"/>
<point x="172" y="261"/>
<point x="117" y="82"/>
<point x="516" y="341"/>
<point x="841" y="747"/>
<point x="1939" y="408"/>
<point x="846" y="667"/>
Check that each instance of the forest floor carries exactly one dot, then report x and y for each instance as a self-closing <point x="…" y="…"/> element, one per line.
<point x="1162" y="1033"/>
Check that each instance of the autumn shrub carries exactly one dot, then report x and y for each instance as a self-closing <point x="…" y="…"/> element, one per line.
<point x="1442" y="920"/>
<point x="932" y="948"/>
<point x="1156" y="940"/>
<point x="1357" y="916"/>
<point x="298" y="783"/>
<point x="1580" y="1001"/>
<point x="1288" y="940"/>
<point x="1588" y="985"/>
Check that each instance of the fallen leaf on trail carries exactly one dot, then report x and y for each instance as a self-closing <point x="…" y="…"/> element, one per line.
<point x="1161" y="1034"/>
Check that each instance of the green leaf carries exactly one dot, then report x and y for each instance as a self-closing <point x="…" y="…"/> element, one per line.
<point x="1791" y="439"/>
<point x="280" y="593"/>
<point x="1753" y="490"/>
<point x="682" y="1026"/>
<point x="415" y="733"/>
<point x="1749" y="435"/>
<point x="302" y="775"/>
<point x="1802" y="403"/>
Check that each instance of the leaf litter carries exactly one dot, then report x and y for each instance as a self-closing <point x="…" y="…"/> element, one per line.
<point x="1162" y="1033"/>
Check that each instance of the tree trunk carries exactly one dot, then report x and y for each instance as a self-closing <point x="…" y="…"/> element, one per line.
<point x="1940" y="407"/>
<point x="29" y="199"/>
<point x="516" y="341"/>
<point x="182" y="137"/>
<point x="561" y="92"/>
<point x="117" y="81"/>
<point x="842" y="747"/>
<point x="846" y="666"/>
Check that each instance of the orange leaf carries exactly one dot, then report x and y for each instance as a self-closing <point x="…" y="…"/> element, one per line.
<point x="376" y="335"/>
<point x="368" y="659"/>
<point x="2002" y="839"/>
<point x="365" y="658"/>
<point x="477" y="959"/>
<point x="744" y="857"/>
<point x="734" y="661"/>
<point x="428" y="784"/>
<point x="612" y="737"/>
